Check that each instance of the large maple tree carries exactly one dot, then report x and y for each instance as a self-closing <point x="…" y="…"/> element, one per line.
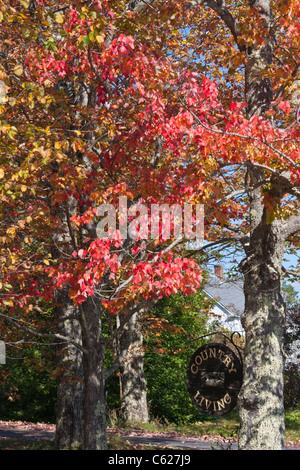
<point x="161" y="102"/>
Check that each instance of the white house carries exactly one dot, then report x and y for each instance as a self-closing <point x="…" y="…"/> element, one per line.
<point x="229" y="300"/>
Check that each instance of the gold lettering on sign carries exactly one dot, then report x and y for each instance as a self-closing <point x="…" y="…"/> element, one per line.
<point x="227" y="399"/>
<point x="227" y="361"/>
<point x="224" y="401"/>
<point x="213" y="352"/>
<point x="221" y="353"/>
<point x="210" y="370"/>
<point x="208" y="403"/>
<point x="196" y="397"/>
<point x="198" y="360"/>
<point x="218" y="405"/>
<point x="221" y="404"/>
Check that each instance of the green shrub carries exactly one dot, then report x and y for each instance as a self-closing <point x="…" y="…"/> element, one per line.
<point x="27" y="388"/>
<point x="292" y="387"/>
<point x="168" y="353"/>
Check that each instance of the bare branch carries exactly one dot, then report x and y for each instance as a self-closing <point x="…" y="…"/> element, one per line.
<point x="291" y="273"/>
<point x="220" y="8"/>
<point x="38" y="334"/>
<point x="292" y="225"/>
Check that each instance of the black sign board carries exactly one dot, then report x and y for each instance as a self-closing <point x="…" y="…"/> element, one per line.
<point x="214" y="379"/>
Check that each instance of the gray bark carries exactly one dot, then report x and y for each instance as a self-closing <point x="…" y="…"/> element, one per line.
<point x="70" y="379"/>
<point x="261" y="405"/>
<point x="94" y="404"/>
<point x="134" y="405"/>
<point x="261" y="398"/>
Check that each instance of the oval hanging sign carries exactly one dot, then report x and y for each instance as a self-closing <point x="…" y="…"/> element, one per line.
<point x="214" y="379"/>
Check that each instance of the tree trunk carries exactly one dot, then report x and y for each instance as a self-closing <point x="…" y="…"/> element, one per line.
<point x="70" y="379"/>
<point x="94" y="403"/>
<point x="261" y="398"/>
<point x="260" y="403"/>
<point x="133" y="381"/>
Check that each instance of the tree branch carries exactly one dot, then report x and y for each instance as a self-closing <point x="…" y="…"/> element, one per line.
<point x="235" y="134"/>
<point x="292" y="225"/>
<point x="220" y="8"/>
<point x="38" y="334"/>
<point x="142" y="306"/>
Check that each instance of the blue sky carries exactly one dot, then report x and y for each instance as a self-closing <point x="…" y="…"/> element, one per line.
<point x="290" y="263"/>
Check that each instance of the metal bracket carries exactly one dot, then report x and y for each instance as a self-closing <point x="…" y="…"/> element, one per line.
<point x="230" y="340"/>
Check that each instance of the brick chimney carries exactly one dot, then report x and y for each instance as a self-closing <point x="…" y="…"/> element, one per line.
<point x="219" y="271"/>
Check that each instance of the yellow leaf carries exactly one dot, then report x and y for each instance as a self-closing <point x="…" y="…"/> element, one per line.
<point x="111" y="131"/>
<point x="18" y="70"/>
<point x="12" y="101"/>
<point x="59" y="18"/>
<point x="23" y="188"/>
<point x="100" y="38"/>
<point x="46" y="261"/>
<point x="25" y="3"/>
<point x="11" y="232"/>
<point x="1" y="173"/>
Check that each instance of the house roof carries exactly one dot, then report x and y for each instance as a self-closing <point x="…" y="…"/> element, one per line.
<point x="227" y="293"/>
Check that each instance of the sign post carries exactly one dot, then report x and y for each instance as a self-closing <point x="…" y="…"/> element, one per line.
<point x="214" y="379"/>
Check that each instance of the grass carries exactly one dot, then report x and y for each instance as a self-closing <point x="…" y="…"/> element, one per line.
<point x="227" y="427"/>
<point x="292" y="425"/>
